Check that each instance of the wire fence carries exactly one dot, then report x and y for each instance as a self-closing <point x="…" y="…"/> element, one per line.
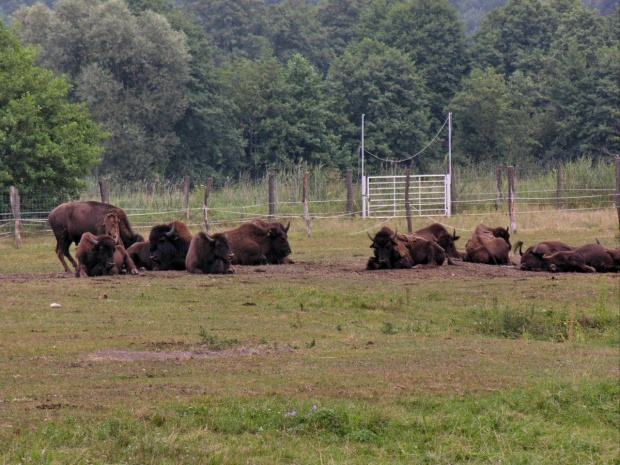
<point x="231" y="205"/>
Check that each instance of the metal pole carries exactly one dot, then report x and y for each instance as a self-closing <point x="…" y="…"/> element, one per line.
<point x="363" y="176"/>
<point x="450" y="143"/>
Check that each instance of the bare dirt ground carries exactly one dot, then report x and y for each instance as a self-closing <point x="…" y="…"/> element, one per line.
<point x="350" y="267"/>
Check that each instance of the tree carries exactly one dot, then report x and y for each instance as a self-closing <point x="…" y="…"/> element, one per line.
<point x="381" y="82"/>
<point x="430" y="32"/>
<point x="341" y="20"/>
<point x="295" y="29"/>
<point x="46" y="143"/>
<point x="482" y="117"/>
<point x="238" y="28"/>
<point x="130" y="70"/>
<point x="515" y="37"/>
<point x="284" y="113"/>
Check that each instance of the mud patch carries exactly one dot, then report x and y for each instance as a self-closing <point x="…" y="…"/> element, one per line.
<point x="119" y="355"/>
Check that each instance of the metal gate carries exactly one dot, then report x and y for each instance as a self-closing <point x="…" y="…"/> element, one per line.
<point x="384" y="196"/>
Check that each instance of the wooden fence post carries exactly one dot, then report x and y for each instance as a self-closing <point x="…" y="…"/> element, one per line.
<point x="500" y="196"/>
<point x="407" y="203"/>
<point x="17" y="215"/>
<point x="305" y="201"/>
<point x="104" y="188"/>
<point x="558" y="193"/>
<point x="511" y="199"/>
<point x="205" y="206"/>
<point x="272" y="196"/>
<point x="618" y="188"/>
<point x="186" y="190"/>
<point x="350" y="193"/>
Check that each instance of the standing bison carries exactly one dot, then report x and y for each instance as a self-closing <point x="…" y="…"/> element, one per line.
<point x="169" y="244"/>
<point x="70" y="221"/>
<point x="209" y="254"/>
<point x="393" y="250"/>
<point x="259" y="243"/>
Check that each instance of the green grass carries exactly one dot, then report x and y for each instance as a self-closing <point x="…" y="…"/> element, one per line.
<point x="454" y="365"/>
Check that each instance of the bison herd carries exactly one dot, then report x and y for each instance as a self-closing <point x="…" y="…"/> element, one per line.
<point x="106" y="245"/>
<point x="434" y="246"/>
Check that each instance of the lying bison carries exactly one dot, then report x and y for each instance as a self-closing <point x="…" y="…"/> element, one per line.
<point x="169" y="244"/>
<point x="487" y="249"/>
<point x="101" y="256"/>
<point x="499" y="232"/>
<point x="140" y="253"/>
<point x="600" y="258"/>
<point x="393" y="250"/>
<point x="70" y="221"/>
<point x="437" y="232"/>
<point x="553" y="256"/>
<point x="209" y="254"/>
<point x="531" y="259"/>
<point x="259" y="243"/>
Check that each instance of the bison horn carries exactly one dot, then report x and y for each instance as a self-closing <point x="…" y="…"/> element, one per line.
<point x="209" y="238"/>
<point x="535" y="249"/>
<point x="370" y="237"/>
<point x="393" y="236"/>
<point x="287" y="227"/>
<point x="90" y="238"/>
<point x="598" y="242"/>
<point x="172" y="229"/>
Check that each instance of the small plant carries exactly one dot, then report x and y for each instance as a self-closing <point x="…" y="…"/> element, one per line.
<point x="214" y="343"/>
<point x="388" y="328"/>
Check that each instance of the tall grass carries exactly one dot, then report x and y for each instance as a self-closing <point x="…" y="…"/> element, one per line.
<point x="587" y="184"/>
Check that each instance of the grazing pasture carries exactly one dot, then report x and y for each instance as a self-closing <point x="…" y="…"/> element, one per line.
<point x="317" y="362"/>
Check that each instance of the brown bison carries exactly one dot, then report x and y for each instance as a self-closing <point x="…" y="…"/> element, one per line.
<point x="255" y="244"/>
<point x="437" y="232"/>
<point x="393" y="250"/>
<point x="486" y="249"/>
<point x="532" y="260"/>
<point x="499" y="232"/>
<point x="123" y="264"/>
<point x="140" y="254"/>
<point x="598" y="257"/>
<point x="95" y="255"/>
<point x="169" y="244"/>
<point x="100" y="256"/>
<point x="553" y="256"/>
<point x="70" y="221"/>
<point x="209" y="254"/>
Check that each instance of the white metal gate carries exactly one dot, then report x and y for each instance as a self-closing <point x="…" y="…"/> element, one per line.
<point x="384" y="196"/>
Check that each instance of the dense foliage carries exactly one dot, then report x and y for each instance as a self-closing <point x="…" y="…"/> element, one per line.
<point x="214" y="88"/>
<point x="46" y="143"/>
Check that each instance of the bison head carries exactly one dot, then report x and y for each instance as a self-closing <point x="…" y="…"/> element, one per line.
<point x="221" y="247"/>
<point x="383" y="243"/>
<point x="169" y="245"/>
<point x="111" y="226"/>
<point x="279" y="248"/>
<point x="101" y="259"/>
<point x="503" y="233"/>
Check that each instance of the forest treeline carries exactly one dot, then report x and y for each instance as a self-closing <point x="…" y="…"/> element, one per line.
<point x="214" y="87"/>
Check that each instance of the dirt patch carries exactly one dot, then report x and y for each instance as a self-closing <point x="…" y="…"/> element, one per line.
<point x="119" y="355"/>
<point x="349" y="267"/>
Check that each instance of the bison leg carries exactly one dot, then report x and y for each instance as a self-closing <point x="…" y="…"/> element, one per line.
<point x="62" y="251"/>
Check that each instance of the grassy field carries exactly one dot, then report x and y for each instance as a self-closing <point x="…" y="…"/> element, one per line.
<point x="319" y="362"/>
